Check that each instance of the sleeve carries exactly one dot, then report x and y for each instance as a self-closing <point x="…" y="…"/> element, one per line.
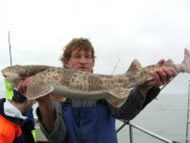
<point x="57" y="135"/>
<point x="134" y="104"/>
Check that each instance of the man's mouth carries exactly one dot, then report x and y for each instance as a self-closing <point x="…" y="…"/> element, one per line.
<point x="83" y="68"/>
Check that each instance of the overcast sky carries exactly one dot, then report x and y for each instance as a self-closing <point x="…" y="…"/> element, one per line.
<point x="120" y="31"/>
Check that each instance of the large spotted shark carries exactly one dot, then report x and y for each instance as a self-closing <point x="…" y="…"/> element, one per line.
<point x="67" y="83"/>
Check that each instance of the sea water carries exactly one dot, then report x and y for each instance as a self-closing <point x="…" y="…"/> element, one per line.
<point x="166" y="116"/>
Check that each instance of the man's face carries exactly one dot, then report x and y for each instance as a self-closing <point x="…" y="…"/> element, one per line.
<point x="80" y="60"/>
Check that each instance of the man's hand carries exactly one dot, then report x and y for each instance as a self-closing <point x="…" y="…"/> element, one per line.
<point x="161" y="77"/>
<point x="22" y="85"/>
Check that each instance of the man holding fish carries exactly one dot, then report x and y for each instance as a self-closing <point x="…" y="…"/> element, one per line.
<point x="92" y="121"/>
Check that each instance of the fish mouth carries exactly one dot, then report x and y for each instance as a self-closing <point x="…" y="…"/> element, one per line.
<point x="4" y="74"/>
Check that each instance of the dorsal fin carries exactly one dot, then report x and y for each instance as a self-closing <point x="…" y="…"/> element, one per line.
<point x="135" y="66"/>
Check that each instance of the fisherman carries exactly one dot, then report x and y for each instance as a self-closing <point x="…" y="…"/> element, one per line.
<point x="14" y="127"/>
<point x="90" y="121"/>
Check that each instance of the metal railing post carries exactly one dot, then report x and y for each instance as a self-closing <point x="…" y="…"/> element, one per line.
<point x="188" y="110"/>
<point x="131" y="126"/>
<point x="130" y="134"/>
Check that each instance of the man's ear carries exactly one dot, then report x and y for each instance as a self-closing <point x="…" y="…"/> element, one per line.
<point x="65" y="63"/>
<point x="93" y="63"/>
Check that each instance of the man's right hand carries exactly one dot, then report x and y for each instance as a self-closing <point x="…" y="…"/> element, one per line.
<point x="46" y="106"/>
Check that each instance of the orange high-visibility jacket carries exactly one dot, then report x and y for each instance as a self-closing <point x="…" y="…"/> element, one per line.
<point x="8" y="131"/>
<point x="13" y="129"/>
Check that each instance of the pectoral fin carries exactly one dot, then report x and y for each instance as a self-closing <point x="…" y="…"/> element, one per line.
<point x="116" y="102"/>
<point x="38" y="89"/>
<point x="118" y="97"/>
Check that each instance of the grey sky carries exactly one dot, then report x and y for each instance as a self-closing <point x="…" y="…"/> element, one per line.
<point x="119" y="29"/>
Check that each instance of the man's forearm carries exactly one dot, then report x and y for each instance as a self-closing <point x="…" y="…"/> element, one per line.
<point x="136" y="101"/>
<point x="48" y="116"/>
<point x="131" y="107"/>
<point x="56" y="132"/>
<point x="144" y="89"/>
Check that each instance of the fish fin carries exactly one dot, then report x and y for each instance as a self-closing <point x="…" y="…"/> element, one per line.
<point x="135" y="66"/>
<point x="59" y="99"/>
<point x="186" y="61"/>
<point x="118" y="96"/>
<point x="116" y="102"/>
<point x="38" y="89"/>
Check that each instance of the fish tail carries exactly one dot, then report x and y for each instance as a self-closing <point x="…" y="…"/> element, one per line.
<point x="186" y="62"/>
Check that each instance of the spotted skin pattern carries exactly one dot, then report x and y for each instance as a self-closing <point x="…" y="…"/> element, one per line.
<point x="71" y="84"/>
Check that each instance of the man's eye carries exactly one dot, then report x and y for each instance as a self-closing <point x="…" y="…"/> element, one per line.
<point x="77" y="56"/>
<point x="88" y="56"/>
<point x="80" y="56"/>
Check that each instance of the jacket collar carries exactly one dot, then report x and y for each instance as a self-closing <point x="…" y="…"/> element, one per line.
<point x="11" y="111"/>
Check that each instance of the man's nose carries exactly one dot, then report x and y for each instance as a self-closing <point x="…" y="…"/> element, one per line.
<point x="83" y="59"/>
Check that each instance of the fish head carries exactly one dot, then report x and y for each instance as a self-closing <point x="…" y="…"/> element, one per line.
<point x="11" y="75"/>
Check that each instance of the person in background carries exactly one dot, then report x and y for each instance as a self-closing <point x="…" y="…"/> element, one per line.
<point x="14" y="126"/>
<point x="92" y="121"/>
<point x="9" y="94"/>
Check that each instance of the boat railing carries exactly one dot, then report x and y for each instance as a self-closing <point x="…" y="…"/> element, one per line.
<point x="132" y="125"/>
<point x="42" y="139"/>
<point x="188" y="115"/>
